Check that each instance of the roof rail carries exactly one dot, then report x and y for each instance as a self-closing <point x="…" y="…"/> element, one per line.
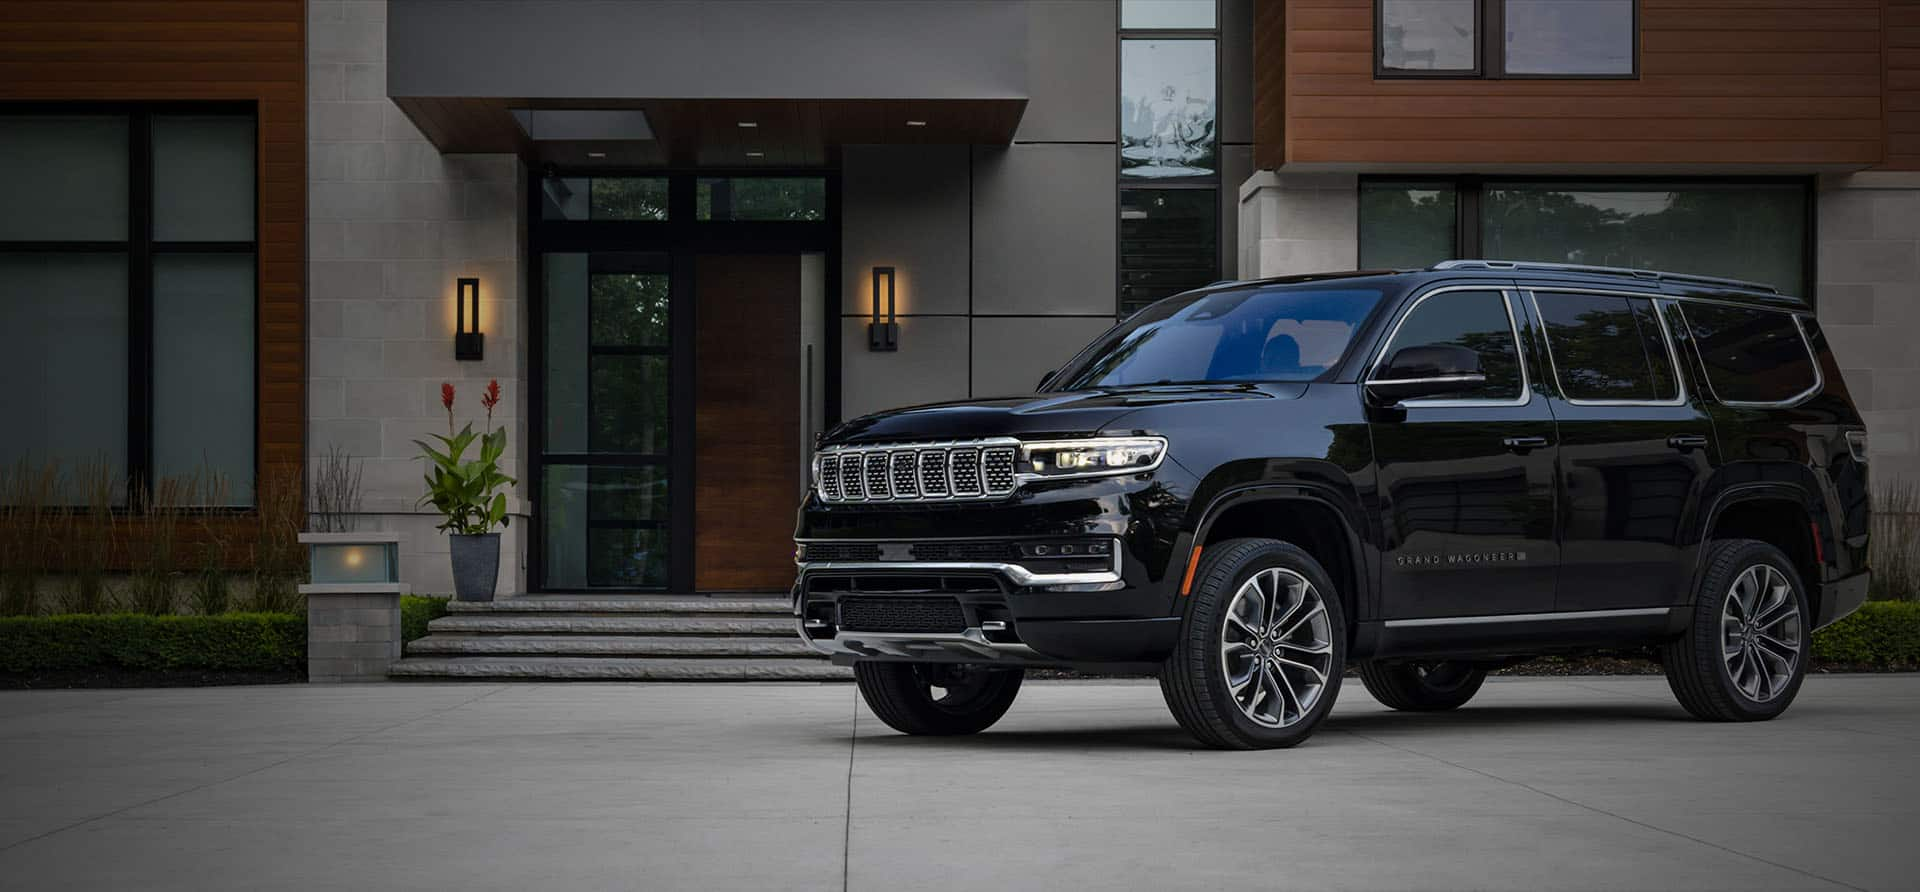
<point x="1645" y="274"/>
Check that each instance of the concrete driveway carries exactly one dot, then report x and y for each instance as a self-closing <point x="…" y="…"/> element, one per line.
<point x="1564" y="783"/>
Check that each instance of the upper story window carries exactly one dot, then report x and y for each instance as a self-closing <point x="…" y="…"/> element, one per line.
<point x="1506" y="38"/>
<point x="1169" y="166"/>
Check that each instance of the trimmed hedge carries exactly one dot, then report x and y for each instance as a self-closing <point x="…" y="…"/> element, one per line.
<point x="1881" y="634"/>
<point x="416" y="611"/>
<point x="232" y="642"/>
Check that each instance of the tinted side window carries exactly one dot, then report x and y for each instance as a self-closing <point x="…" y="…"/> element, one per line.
<point x="1752" y="356"/>
<point x="1607" y="347"/>
<point x="1476" y="320"/>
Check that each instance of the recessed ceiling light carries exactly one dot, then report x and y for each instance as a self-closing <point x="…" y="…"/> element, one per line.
<point x="756" y="154"/>
<point x="916" y="123"/>
<point x="749" y="123"/>
<point x="596" y="154"/>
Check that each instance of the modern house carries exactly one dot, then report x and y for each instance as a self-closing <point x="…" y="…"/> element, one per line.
<point x="694" y="234"/>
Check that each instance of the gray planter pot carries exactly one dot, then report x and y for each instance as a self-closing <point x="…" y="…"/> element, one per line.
<point x="476" y="565"/>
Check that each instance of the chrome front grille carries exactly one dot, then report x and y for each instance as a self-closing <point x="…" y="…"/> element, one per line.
<point x="918" y="472"/>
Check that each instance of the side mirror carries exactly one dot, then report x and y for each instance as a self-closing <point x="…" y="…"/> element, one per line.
<point x="1428" y="370"/>
<point x="1043" y="381"/>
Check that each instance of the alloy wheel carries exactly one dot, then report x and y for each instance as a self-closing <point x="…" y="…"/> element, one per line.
<point x="1276" y="647"/>
<point x="1760" y="631"/>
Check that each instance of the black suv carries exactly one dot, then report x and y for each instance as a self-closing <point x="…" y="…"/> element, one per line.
<point x="1428" y="474"/>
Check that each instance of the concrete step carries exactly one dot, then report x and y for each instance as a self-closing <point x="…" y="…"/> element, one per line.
<point x="781" y="626"/>
<point x="616" y="645"/>
<point x="616" y="669"/>
<point x="624" y="606"/>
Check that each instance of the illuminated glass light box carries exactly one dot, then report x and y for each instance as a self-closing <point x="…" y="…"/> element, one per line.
<point x="349" y="559"/>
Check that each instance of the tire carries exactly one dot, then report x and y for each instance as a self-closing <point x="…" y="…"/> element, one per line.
<point x="1307" y="641"/>
<point x="1422" y="687"/>
<point x="972" y="698"/>
<point x="1750" y="602"/>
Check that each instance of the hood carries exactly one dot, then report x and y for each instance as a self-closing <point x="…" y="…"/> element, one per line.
<point x="1045" y="414"/>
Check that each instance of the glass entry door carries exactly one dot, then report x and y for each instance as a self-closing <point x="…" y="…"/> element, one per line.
<point x="607" y="465"/>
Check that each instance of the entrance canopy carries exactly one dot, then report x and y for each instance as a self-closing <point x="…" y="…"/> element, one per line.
<point x="774" y="83"/>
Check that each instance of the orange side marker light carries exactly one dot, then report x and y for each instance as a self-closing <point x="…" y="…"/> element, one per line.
<point x="1193" y="563"/>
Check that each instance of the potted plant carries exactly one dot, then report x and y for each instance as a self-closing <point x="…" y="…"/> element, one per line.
<point x="466" y="493"/>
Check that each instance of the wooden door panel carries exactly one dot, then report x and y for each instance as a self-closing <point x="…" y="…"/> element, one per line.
<point x="746" y="420"/>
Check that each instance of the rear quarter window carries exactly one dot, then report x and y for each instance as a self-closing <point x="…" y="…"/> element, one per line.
<point x="1751" y="356"/>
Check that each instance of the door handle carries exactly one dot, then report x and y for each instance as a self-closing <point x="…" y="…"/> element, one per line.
<point x="1684" y="442"/>
<point x="1524" y="445"/>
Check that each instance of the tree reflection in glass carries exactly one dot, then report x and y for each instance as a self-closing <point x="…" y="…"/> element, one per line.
<point x="1167" y="106"/>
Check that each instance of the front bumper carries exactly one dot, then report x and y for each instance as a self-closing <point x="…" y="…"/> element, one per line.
<point x="986" y="612"/>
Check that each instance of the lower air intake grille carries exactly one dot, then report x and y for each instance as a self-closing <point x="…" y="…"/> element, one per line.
<point x="902" y="615"/>
<point x="842" y="551"/>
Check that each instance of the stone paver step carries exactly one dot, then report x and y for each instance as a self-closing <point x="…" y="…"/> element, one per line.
<point x="624" y="605"/>
<point x="616" y="669"/>
<point x="611" y="645"/>
<point x="577" y="624"/>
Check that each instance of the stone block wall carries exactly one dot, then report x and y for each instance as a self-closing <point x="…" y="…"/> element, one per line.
<point x="351" y="636"/>
<point x="1869" y="305"/>
<point x="392" y="223"/>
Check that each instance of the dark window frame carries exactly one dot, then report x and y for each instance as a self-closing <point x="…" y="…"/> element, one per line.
<point x="1134" y="184"/>
<point x="140" y="249"/>
<point x="1469" y="189"/>
<point x="1490" y="50"/>
<point x="682" y="237"/>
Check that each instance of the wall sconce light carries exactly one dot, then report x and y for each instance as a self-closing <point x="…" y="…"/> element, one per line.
<point x="468" y="342"/>
<point x="883" y="337"/>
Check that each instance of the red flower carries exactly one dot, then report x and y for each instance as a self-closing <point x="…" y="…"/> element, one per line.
<point x="446" y="395"/>
<point x="492" y="397"/>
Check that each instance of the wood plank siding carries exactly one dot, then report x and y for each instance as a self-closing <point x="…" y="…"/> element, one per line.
<point x="1903" y="84"/>
<point x="190" y="51"/>
<point x="1723" y="83"/>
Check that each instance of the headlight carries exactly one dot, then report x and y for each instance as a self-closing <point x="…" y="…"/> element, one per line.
<point x="1092" y="458"/>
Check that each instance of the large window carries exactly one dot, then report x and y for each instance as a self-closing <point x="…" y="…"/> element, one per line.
<point x="1755" y="230"/>
<point x="127" y="280"/>
<point x="1505" y="38"/>
<point x="1169" y="149"/>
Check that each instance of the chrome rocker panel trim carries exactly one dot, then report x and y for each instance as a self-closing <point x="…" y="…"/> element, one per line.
<point x="1015" y="573"/>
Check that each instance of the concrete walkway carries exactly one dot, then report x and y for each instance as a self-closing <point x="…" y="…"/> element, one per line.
<point x="1583" y="783"/>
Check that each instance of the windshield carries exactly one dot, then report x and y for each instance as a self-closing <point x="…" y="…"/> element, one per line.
<point x="1277" y="335"/>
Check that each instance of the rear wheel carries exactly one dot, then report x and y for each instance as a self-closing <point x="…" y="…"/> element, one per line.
<point x="1745" y="654"/>
<point x="1260" y="653"/>
<point x="937" y="698"/>
<point x="1423" y="687"/>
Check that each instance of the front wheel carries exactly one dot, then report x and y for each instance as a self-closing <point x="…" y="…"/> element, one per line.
<point x="1261" y="649"/>
<point x="1745" y="654"/>
<point x="938" y="699"/>
<point x="1422" y="687"/>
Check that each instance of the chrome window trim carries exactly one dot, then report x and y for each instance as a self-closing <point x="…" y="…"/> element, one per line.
<point x="1571" y="615"/>
<point x="1666" y="335"/>
<point x="1813" y="360"/>
<point x="1507" y="296"/>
